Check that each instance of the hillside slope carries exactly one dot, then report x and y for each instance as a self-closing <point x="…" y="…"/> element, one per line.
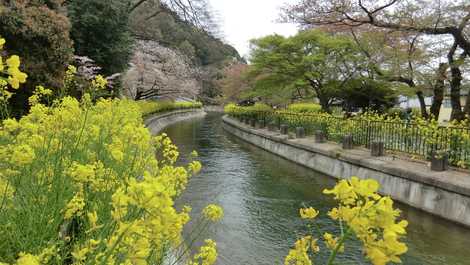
<point x="172" y="58"/>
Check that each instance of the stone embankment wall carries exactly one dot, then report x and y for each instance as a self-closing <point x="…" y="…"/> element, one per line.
<point x="158" y="122"/>
<point x="445" y="194"/>
<point x="214" y="108"/>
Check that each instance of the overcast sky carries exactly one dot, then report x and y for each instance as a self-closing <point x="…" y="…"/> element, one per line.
<point x="243" y="20"/>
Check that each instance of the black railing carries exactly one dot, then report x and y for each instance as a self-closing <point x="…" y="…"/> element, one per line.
<point x="407" y="137"/>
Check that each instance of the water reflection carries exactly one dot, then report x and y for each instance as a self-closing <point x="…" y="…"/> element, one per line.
<point x="261" y="194"/>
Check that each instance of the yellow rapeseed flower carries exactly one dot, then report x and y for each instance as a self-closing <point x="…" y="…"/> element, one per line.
<point x="79" y="254"/>
<point x="13" y="62"/>
<point x="75" y="206"/>
<point x="126" y="206"/>
<point x="299" y="254"/>
<point x="99" y="83"/>
<point x="207" y="254"/>
<point x="332" y="242"/>
<point x="195" y="167"/>
<point x="308" y="213"/>
<point x="28" y="259"/>
<point x="23" y="154"/>
<point x="213" y="212"/>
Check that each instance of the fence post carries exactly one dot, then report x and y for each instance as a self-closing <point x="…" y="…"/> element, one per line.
<point x="348" y="142"/>
<point x="299" y="132"/>
<point x="247" y="120"/>
<point x="439" y="161"/>
<point x="253" y="122"/>
<point x="319" y="136"/>
<point x="284" y="129"/>
<point x="377" y="148"/>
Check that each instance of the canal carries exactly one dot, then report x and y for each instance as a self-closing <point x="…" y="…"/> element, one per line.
<point x="261" y="195"/>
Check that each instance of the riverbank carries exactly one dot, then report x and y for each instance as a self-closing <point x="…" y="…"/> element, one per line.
<point x="445" y="194"/>
<point x="261" y="194"/>
<point x="214" y="108"/>
<point x="159" y="121"/>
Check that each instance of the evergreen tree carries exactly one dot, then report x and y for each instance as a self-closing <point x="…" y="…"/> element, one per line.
<point x="39" y="32"/>
<point x="100" y="30"/>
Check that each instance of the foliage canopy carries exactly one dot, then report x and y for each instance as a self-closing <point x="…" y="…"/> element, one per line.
<point x="100" y="31"/>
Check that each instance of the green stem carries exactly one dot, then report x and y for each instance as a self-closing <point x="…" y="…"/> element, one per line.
<point x="4" y="196"/>
<point x="188" y="247"/>
<point x="338" y="247"/>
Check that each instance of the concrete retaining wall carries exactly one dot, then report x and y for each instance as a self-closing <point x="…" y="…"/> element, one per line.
<point x="214" y="108"/>
<point x="158" y="122"/>
<point x="445" y="194"/>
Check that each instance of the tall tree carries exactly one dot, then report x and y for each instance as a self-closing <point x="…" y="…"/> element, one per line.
<point x="444" y="17"/>
<point x="100" y="31"/>
<point x="396" y="57"/>
<point x="367" y="93"/>
<point x="196" y="12"/>
<point x="456" y="83"/>
<point x="435" y="19"/>
<point x="310" y="60"/>
<point x="39" y="32"/>
<point x="439" y="90"/>
<point x="234" y="81"/>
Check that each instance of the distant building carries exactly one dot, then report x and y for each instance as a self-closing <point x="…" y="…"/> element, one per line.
<point x="446" y="108"/>
<point x="407" y="102"/>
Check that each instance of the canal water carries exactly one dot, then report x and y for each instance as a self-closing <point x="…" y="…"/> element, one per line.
<point x="261" y="195"/>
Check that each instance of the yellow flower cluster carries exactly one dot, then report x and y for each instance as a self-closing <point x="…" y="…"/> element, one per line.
<point x="304" y="108"/>
<point x="213" y="212"/>
<point x="151" y="107"/>
<point x="15" y="76"/>
<point x="308" y="213"/>
<point x="69" y="77"/>
<point x="39" y="93"/>
<point x="99" y="83"/>
<point x="10" y="74"/>
<point x="249" y="110"/>
<point x="371" y="217"/>
<point x="299" y="254"/>
<point x="75" y="206"/>
<point x="90" y="180"/>
<point x="207" y="254"/>
<point x="332" y="242"/>
<point x="28" y="259"/>
<point x="364" y="213"/>
<point x="418" y="137"/>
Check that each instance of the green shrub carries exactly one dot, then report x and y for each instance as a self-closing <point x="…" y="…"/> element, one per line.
<point x="260" y="107"/>
<point x="304" y="108"/>
<point x="236" y="109"/>
<point x="151" y="107"/>
<point x="396" y="112"/>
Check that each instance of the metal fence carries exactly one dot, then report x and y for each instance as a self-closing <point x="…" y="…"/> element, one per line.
<point x="406" y="137"/>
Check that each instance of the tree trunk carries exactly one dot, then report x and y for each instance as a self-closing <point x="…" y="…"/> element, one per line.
<point x="466" y="109"/>
<point x="324" y="102"/>
<point x="422" y="104"/>
<point x="438" y="91"/>
<point x="455" y="85"/>
<point x="325" y="105"/>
